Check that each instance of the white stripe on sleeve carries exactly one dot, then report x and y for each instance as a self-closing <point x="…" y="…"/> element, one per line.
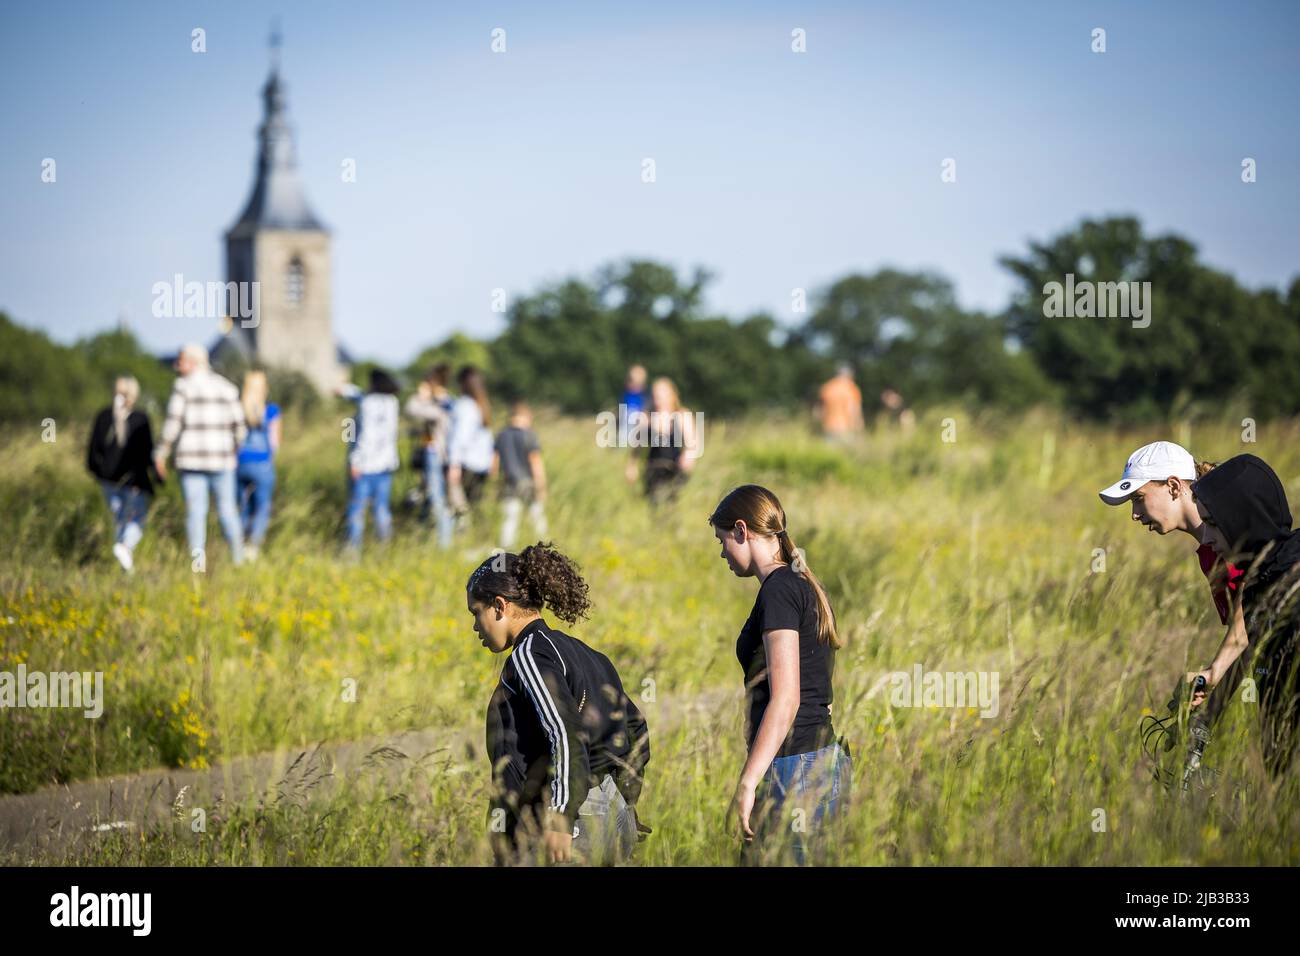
<point x="551" y="722"/>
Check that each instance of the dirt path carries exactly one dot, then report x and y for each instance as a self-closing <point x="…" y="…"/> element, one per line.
<point x="48" y="822"/>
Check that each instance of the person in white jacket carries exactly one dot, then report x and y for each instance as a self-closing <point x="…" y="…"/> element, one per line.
<point x="372" y="457"/>
<point x="470" y="446"/>
<point x="430" y="409"/>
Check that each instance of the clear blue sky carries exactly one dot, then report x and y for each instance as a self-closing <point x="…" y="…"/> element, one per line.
<point x="775" y="170"/>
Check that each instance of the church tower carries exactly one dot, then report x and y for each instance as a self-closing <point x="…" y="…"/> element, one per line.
<point x="280" y="244"/>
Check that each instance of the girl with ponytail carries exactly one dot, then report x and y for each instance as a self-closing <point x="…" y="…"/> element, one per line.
<point x="787" y="651"/>
<point x="561" y="732"/>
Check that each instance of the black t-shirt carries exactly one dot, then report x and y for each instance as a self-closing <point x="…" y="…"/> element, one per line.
<point x="514" y="445"/>
<point x="787" y="602"/>
<point x="666" y="446"/>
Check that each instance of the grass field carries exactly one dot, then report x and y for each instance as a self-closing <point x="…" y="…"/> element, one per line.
<point x="970" y="555"/>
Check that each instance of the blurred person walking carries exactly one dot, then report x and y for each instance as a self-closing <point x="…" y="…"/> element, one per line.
<point x="255" y="473"/>
<point x="205" y="427"/>
<point x="839" y="406"/>
<point x="470" y="445"/>
<point x="518" y="459"/>
<point x="631" y="415"/>
<point x="120" y="455"/>
<point x="671" y="443"/>
<point x="429" y="408"/>
<point x="897" y="409"/>
<point x="373" y="457"/>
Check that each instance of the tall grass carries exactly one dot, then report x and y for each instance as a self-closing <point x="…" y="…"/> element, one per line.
<point x="970" y="555"/>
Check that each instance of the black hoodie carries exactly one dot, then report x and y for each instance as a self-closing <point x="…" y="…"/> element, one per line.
<point x="1248" y="504"/>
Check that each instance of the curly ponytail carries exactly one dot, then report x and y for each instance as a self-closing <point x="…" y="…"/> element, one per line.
<point x="538" y="577"/>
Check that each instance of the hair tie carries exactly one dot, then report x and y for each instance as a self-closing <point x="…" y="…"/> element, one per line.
<point x="781" y="532"/>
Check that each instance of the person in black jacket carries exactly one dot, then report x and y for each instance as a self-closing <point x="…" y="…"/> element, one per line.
<point x="120" y="455"/>
<point x="568" y="747"/>
<point x="1247" y="519"/>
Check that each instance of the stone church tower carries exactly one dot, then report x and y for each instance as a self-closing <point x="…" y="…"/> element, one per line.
<point x="280" y="244"/>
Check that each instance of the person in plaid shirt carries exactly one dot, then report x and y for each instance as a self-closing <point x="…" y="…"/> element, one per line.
<point x="205" y="427"/>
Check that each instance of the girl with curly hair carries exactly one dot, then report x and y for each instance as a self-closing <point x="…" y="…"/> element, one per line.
<point x="568" y="747"/>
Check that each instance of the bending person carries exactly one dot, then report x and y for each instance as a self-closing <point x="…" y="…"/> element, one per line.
<point x="568" y="748"/>
<point x="1246" y="516"/>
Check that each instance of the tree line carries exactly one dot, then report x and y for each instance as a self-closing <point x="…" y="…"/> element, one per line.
<point x="1210" y="343"/>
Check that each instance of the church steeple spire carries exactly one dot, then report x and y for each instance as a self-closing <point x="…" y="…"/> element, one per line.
<point x="282" y="253"/>
<point x="278" y="201"/>
<point x="275" y="41"/>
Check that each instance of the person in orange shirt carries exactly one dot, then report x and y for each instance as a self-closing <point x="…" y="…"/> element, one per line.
<point x="839" y="405"/>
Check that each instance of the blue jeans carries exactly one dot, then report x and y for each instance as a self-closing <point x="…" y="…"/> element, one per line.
<point x="256" y="482"/>
<point x="195" y="486"/>
<point x="796" y="796"/>
<point x="129" y="505"/>
<point x="374" y="489"/>
<point x="435" y="489"/>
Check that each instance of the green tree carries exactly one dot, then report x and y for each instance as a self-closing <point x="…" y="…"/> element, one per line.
<point x="1209" y="340"/>
<point x="571" y="344"/>
<point x="41" y="379"/>
<point x="906" y="331"/>
<point x="457" y="350"/>
<point x="117" y="352"/>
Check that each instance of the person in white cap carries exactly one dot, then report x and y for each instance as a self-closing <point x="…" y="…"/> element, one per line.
<point x="1166" y="505"/>
<point x="1157" y="481"/>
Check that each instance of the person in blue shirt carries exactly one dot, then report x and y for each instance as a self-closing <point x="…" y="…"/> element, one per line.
<point x="631" y="413"/>
<point x="256" y="469"/>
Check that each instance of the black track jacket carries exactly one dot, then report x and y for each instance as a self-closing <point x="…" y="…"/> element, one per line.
<point x="558" y="721"/>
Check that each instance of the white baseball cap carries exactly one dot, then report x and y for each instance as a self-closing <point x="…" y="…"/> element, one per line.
<point x="1154" y="462"/>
